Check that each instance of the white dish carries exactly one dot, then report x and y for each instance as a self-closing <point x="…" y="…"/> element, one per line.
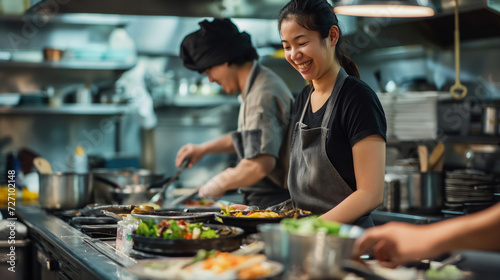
<point x="9" y="99"/>
<point x="170" y="269"/>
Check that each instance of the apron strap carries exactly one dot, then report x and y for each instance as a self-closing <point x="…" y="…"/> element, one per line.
<point x="342" y="75"/>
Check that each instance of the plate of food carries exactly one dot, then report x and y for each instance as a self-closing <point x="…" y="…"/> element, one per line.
<point x="208" y="265"/>
<point x="248" y="220"/>
<point x="171" y="237"/>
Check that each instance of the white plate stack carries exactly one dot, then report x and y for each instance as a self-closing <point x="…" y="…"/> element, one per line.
<point x="388" y="100"/>
<point x="415" y="116"/>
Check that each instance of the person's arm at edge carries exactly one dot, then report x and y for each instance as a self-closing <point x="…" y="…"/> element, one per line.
<point x="369" y="167"/>
<point x="478" y="231"/>
<point x="399" y="243"/>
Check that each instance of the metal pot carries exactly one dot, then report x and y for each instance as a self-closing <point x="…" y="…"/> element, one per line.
<point x="426" y="192"/>
<point x="317" y="256"/>
<point x="63" y="191"/>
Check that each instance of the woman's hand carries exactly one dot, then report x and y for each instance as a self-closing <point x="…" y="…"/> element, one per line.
<point x="194" y="152"/>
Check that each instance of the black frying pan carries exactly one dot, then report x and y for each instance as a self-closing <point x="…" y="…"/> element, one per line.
<point x="248" y="224"/>
<point x="184" y="247"/>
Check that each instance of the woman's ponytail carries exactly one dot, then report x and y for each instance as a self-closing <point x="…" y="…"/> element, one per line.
<point x="347" y="63"/>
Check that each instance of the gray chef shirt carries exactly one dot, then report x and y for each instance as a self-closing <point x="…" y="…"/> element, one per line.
<point x="262" y="123"/>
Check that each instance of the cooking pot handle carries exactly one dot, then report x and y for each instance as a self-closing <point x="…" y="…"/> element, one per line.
<point x="106" y="181"/>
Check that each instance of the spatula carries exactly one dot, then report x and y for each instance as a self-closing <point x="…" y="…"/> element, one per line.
<point x="42" y="165"/>
<point x="436" y="155"/>
<point x="423" y="157"/>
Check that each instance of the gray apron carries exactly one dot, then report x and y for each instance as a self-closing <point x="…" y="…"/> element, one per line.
<point x="313" y="181"/>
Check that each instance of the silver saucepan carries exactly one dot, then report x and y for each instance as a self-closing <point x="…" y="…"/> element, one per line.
<point x="64" y="191"/>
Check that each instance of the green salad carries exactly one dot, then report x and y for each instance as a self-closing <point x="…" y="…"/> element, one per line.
<point x="171" y="229"/>
<point x="310" y="225"/>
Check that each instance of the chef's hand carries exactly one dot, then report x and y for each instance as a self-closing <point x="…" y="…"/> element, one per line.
<point x="194" y="152"/>
<point x="216" y="187"/>
<point x="398" y="243"/>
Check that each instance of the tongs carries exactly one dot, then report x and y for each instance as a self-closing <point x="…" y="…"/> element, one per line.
<point x="158" y="198"/>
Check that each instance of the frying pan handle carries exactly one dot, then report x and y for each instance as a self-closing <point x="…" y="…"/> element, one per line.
<point x="159" y="183"/>
<point x="106" y="181"/>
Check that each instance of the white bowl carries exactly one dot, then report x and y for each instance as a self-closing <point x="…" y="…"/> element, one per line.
<point x="9" y="99"/>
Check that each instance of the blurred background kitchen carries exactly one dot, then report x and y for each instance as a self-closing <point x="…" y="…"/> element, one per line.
<point x="106" y="76"/>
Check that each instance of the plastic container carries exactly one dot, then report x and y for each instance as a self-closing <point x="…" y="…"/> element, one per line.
<point x="124" y="232"/>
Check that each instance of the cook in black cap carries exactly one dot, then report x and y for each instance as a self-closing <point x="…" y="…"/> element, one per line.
<point x="226" y="55"/>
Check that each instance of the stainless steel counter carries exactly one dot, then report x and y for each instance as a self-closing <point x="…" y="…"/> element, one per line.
<point x="66" y="253"/>
<point x="382" y="217"/>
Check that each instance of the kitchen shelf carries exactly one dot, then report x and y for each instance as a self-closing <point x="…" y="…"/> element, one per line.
<point x="382" y="217"/>
<point x="68" y="109"/>
<point x="479" y="139"/>
<point x="203" y="101"/>
<point x="73" y="64"/>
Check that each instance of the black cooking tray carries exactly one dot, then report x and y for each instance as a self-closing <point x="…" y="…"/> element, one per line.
<point x="189" y="247"/>
<point x="200" y="217"/>
<point x="248" y="224"/>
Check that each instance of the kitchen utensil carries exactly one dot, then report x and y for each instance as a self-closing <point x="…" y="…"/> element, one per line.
<point x="392" y="194"/>
<point x="162" y="246"/>
<point x="491" y="119"/>
<point x="62" y="191"/>
<point x="158" y="198"/>
<point x="457" y="91"/>
<point x="452" y="259"/>
<point x="96" y="209"/>
<point x="423" y="157"/>
<point x="111" y="214"/>
<point x="126" y="186"/>
<point x="436" y="155"/>
<point x="426" y="192"/>
<point x="185" y="197"/>
<point x="42" y="165"/>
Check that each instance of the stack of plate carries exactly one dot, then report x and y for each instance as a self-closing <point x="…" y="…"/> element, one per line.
<point x="467" y="186"/>
<point x="415" y="116"/>
<point x="388" y="100"/>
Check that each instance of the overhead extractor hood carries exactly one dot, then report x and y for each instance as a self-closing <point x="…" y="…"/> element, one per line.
<point x="479" y="19"/>
<point x="263" y="9"/>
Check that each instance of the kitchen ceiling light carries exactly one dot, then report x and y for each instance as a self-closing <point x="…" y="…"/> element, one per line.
<point x="381" y="8"/>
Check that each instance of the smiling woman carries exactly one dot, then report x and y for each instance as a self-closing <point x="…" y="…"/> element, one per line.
<point x="337" y="153"/>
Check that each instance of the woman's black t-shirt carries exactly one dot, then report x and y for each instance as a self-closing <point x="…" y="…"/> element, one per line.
<point x="356" y="114"/>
